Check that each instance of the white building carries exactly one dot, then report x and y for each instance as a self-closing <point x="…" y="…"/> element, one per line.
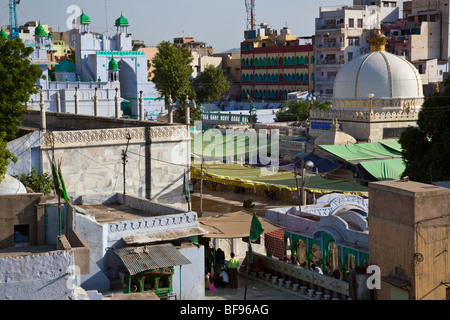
<point x="102" y="65"/>
<point x="342" y="35"/>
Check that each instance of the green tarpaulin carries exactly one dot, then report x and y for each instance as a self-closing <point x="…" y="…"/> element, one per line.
<point x="361" y="151"/>
<point x="389" y="169"/>
<point x="393" y="144"/>
<point x="244" y="176"/>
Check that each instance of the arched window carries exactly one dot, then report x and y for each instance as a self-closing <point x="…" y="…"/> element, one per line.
<point x="297" y="77"/>
<point x="251" y="61"/>
<point x="289" y="61"/>
<point x="289" y="78"/>
<point x="313" y="76"/>
<point x="264" y="77"/>
<point x="306" y="60"/>
<point x="260" y="62"/>
<point x="305" y="77"/>
<point x="256" y="62"/>
<point x="302" y="61"/>
<point x="243" y="62"/>
<point x="264" y="61"/>
<point x="247" y="77"/>
<point x="251" y="77"/>
<point x="243" y="78"/>
<point x="313" y="60"/>
<point x="246" y="62"/>
<point x="285" y="61"/>
<point x="260" y="93"/>
<point x="297" y="60"/>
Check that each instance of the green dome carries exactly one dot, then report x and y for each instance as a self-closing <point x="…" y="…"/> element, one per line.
<point x="84" y="19"/>
<point x="3" y="34"/>
<point x="113" y="65"/>
<point x="50" y="34"/>
<point x="122" y="21"/>
<point x="40" y="31"/>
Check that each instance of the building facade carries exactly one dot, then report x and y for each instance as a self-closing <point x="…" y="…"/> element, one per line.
<point x="273" y="65"/>
<point x="341" y="34"/>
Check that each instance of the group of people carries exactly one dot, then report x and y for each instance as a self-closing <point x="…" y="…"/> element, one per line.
<point x="336" y="273"/>
<point x="226" y="275"/>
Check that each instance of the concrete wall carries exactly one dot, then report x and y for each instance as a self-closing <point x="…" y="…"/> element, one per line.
<point x="191" y="285"/>
<point x="21" y="209"/>
<point x="409" y="226"/>
<point x="42" y="276"/>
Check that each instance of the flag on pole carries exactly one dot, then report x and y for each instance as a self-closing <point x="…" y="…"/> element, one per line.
<point x="256" y="229"/>
<point x="58" y="182"/>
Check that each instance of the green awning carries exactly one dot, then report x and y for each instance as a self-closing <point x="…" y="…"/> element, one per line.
<point x="393" y="144"/>
<point x="361" y="151"/>
<point x="389" y="169"/>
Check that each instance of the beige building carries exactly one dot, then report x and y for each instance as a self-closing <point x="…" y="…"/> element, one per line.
<point x="409" y="240"/>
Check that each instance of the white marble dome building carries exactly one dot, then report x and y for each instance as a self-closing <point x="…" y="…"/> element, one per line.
<point x="380" y="78"/>
<point x="376" y="96"/>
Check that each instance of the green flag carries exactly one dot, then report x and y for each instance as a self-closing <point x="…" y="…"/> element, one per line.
<point x="256" y="228"/>
<point x="58" y="182"/>
<point x="63" y="185"/>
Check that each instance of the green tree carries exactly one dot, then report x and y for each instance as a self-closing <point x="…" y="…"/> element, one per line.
<point x="426" y="148"/>
<point x="210" y="84"/>
<point x="18" y="81"/>
<point x="298" y="110"/>
<point x="172" y="71"/>
<point x="38" y="183"/>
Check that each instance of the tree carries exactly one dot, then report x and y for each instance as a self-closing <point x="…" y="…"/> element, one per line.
<point x="38" y="183"/>
<point x="18" y="81"/>
<point x="298" y="110"/>
<point x="210" y="84"/>
<point x="426" y="148"/>
<point x="172" y="72"/>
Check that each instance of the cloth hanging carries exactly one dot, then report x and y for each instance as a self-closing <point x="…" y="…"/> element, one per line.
<point x="274" y="243"/>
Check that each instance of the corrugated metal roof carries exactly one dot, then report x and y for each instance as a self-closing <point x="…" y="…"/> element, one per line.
<point x="144" y="258"/>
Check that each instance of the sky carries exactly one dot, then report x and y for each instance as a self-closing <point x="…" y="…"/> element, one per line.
<point x="219" y="24"/>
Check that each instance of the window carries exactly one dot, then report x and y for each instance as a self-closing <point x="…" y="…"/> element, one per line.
<point x="351" y="23"/>
<point x="360" y="23"/>
<point x="350" y="41"/>
<point x="349" y="56"/>
<point x="21" y="233"/>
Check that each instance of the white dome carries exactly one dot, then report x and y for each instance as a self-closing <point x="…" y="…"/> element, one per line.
<point x="10" y="185"/>
<point x="381" y="73"/>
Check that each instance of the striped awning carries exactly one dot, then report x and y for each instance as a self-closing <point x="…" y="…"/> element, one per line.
<point x="145" y="258"/>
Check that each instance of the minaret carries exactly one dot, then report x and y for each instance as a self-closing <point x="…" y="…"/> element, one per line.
<point x="85" y="21"/>
<point x="122" y="24"/>
<point x="113" y="70"/>
<point x="40" y="35"/>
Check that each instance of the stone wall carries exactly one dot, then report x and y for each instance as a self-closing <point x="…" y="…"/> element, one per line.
<point x="44" y="276"/>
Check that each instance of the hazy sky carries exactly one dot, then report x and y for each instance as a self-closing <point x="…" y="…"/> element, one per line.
<point x="220" y="24"/>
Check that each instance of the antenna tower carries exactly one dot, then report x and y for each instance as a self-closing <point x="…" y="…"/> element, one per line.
<point x="13" y="24"/>
<point x="250" y="6"/>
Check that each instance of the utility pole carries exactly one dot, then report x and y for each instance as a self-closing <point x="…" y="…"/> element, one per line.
<point x="124" y="163"/>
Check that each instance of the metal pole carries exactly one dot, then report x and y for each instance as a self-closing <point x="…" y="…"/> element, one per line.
<point x="296" y="182"/>
<point x="201" y="188"/>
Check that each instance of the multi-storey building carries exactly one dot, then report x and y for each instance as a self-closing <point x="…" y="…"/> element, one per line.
<point x="422" y="38"/>
<point x="341" y="34"/>
<point x="274" y="65"/>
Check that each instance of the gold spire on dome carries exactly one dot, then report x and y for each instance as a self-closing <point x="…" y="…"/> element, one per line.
<point x="378" y="40"/>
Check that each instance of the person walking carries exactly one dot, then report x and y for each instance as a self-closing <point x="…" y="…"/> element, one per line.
<point x="233" y="265"/>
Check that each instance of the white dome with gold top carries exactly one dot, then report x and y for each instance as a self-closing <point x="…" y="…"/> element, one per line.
<point x="380" y="73"/>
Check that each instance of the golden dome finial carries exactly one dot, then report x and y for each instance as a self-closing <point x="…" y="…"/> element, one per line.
<point x="378" y="40"/>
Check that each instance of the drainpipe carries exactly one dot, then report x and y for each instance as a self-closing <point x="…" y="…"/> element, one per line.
<point x="180" y="282"/>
